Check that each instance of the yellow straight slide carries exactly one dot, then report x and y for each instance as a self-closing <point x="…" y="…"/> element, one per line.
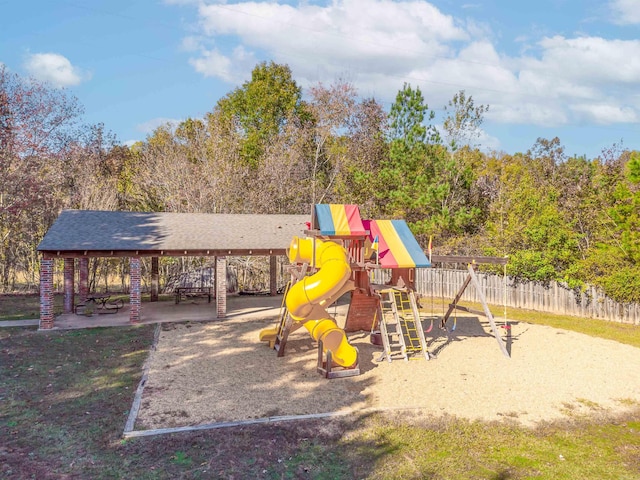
<point x="308" y="300"/>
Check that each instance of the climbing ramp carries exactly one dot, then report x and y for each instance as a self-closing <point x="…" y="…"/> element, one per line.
<point x="400" y="326"/>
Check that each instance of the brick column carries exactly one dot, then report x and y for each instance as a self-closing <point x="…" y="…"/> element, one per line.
<point x="46" y="293"/>
<point x="69" y="284"/>
<point x="221" y="286"/>
<point x="83" y="284"/>
<point x="154" y="278"/>
<point x="134" y="289"/>
<point x="273" y="270"/>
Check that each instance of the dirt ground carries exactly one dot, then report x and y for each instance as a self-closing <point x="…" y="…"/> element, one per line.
<point x="204" y="373"/>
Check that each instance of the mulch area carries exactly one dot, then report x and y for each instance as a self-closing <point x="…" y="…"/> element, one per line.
<point x="203" y="373"/>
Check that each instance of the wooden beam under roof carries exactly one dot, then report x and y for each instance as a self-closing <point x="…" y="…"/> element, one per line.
<point x="161" y="253"/>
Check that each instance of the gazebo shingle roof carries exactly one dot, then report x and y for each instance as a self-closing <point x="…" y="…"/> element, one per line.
<point x="108" y="233"/>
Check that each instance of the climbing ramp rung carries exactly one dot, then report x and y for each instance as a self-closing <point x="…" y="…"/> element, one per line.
<point x="400" y="326"/>
<point x="390" y="331"/>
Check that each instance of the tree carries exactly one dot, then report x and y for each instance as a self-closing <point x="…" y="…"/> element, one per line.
<point x="331" y="109"/>
<point x="170" y="173"/>
<point x="424" y="182"/>
<point x="407" y="172"/>
<point x="367" y="150"/>
<point x="93" y="166"/>
<point x="462" y="124"/>
<point x="37" y="125"/>
<point x="625" y="212"/>
<point x="526" y="222"/>
<point x="260" y="108"/>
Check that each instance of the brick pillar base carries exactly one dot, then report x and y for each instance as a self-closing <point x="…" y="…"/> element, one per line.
<point x="221" y="286"/>
<point x="134" y="289"/>
<point x="83" y="284"/>
<point x="69" y="284"/>
<point x="46" y="293"/>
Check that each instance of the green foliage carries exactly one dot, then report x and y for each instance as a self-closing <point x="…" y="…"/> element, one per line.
<point x="264" y="150"/>
<point x="625" y="212"/>
<point x="623" y="284"/>
<point x="633" y="168"/>
<point x="423" y="181"/>
<point x="261" y="107"/>
<point x="527" y="221"/>
<point x="406" y="120"/>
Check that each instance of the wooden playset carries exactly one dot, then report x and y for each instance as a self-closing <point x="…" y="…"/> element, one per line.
<point x="337" y="256"/>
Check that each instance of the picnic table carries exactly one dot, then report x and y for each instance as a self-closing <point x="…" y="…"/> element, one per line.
<point x="101" y="302"/>
<point x="193" y="292"/>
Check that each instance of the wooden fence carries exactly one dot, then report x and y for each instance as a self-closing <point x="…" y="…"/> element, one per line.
<point x="554" y="297"/>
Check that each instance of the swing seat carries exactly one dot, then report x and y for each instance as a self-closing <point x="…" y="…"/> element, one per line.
<point x="376" y="338"/>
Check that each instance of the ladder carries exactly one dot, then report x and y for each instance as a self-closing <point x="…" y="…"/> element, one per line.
<point x="285" y="325"/>
<point x="400" y="326"/>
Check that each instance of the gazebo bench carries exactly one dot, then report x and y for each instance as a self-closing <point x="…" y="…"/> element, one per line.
<point x="186" y="292"/>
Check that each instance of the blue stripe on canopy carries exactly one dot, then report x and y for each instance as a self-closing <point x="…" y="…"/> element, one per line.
<point x="410" y="243"/>
<point x="325" y="219"/>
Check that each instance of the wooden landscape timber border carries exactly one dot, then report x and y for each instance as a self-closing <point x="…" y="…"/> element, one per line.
<point x="239" y="423"/>
<point x="265" y="420"/>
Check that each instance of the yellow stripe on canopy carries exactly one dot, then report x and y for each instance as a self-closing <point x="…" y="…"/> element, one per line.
<point x="395" y="244"/>
<point x="340" y="220"/>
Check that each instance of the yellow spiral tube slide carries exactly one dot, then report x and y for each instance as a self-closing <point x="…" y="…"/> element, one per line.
<point x="308" y="299"/>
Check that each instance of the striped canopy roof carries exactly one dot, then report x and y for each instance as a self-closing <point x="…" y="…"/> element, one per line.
<point x="338" y="220"/>
<point x="397" y="247"/>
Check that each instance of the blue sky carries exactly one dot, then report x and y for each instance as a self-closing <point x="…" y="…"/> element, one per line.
<point x="566" y="68"/>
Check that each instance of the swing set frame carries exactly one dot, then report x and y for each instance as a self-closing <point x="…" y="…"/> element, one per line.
<point x="472" y="278"/>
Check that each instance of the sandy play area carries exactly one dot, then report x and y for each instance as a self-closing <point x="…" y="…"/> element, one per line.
<point x="218" y="371"/>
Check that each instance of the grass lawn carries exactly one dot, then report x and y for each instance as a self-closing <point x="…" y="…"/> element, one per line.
<point x="27" y="306"/>
<point x="65" y="396"/>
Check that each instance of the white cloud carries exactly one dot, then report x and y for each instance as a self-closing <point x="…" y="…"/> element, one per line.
<point x="603" y="113"/>
<point x="572" y="80"/>
<point x="191" y="43"/>
<point x="212" y="63"/>
<point x="380" y="44"/>
<point x="625" y="12"/>
<point x="592" y="60"/>
<point x="358" y="35"/>
<point x="55" y="69"/>
<point x="232" y="68"/>
<point x="488" y="142"/>
<point x="151" y="125"/>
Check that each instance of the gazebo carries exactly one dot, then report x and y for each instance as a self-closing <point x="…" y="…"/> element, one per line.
<point x="84" y="234"/>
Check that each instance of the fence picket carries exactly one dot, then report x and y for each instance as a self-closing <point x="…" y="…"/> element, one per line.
<point x="554" y="298"/>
